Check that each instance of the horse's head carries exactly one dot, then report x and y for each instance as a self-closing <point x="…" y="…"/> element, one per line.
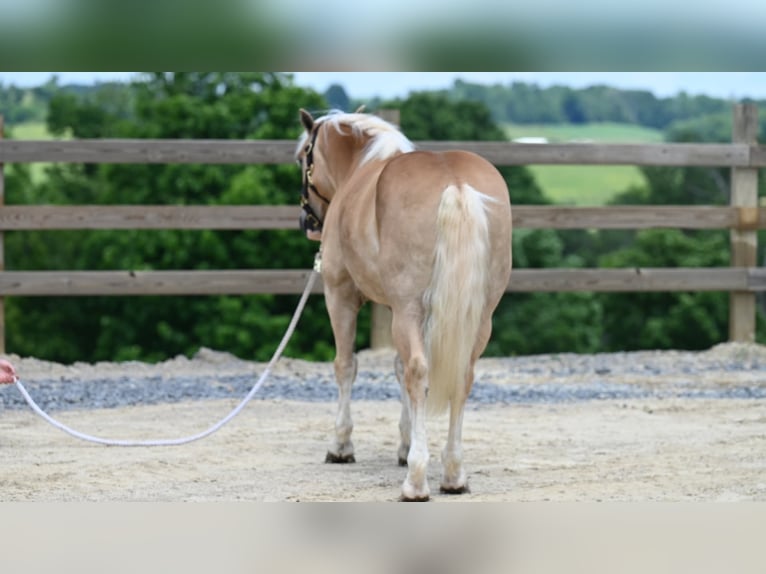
<point x="314" y="201"/>
<point x="330" y="151"/>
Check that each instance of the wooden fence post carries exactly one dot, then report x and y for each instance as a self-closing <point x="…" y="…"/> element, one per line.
<point x="744" y="242"/>
<point x="380" y="328"/>
<point x="2" y="246"/>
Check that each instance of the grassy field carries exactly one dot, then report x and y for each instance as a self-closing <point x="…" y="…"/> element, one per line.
<point x="30" y="131"/>
<point x="585" y="185"/>
<point x="597" y="132"/>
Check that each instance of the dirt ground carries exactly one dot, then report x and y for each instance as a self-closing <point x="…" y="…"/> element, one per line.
<point x="636" y="450"/>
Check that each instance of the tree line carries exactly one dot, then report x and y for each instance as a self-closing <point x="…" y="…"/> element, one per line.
<point x="515" y="102"/>
<point x="529" y="103"/>
<point x="265" y="106"/>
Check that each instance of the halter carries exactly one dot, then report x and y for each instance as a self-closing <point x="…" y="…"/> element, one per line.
<point x="311" y="221"/>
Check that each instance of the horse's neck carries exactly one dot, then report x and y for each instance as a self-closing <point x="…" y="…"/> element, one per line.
<point x="345" y="161"/>
<point x="361" y="178"/>
<point x="355" y="216"/>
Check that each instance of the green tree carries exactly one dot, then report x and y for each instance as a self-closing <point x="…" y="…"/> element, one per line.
<point x="573" y="109"/>
<point x="180" y="105"/>
<point x="674" y="320"/>
<point x="337" y="98"/>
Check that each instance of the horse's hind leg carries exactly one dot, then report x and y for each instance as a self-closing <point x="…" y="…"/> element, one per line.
<point x="343" y="306"/>
<point x="454" y="480"/>
<point x="408" y="339"/>
<point x="405" y="427"/>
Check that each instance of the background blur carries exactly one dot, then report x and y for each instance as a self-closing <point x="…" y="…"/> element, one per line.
<point x="400" y="34"/>
<point x="264" y="105"/>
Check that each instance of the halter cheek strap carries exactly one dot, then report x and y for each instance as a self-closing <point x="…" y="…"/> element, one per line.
<point x="310" y="220"/>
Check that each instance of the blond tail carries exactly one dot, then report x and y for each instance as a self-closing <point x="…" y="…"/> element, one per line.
<point x="456" y="297"/>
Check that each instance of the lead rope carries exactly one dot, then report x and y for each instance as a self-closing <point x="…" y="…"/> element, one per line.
<point x="217" y="426"/>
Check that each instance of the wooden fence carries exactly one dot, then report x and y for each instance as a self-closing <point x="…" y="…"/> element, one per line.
<point x="743" y="217"/>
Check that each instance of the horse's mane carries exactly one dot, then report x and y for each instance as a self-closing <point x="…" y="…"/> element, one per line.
<point x="385" y="138"/>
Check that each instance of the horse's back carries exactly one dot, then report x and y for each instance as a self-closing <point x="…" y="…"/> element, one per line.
<point x="424" y="172"/>
<point x="410" y="188"/>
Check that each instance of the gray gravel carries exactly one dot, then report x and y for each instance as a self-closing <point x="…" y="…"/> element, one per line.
<point x="731" y="371"/>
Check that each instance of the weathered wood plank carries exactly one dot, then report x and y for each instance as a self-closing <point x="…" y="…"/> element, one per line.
<point x="676" y="154"/>
<point x="756" y="279"/>
<point x="283" y="151"/>
<point x="39" y="217"/>
<point x="744" y="243"/>
<point x="627" y="217"/>
<point x="626" y="280"/>
<point x="76" y="283"/>
<point x="149" y="151"/>
<point x="758" y="156"/>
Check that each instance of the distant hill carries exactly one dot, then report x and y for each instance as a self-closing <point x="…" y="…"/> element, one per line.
<point x="524" y="103"/>
<point x="22" y="105"/>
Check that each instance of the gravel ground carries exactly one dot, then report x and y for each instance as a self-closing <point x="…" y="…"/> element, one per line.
<point x="727" y="371"/>
<point x="648" y="426"/>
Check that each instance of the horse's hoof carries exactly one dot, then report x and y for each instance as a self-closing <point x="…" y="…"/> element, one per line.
<point x="455" y="489"/>
<point x="425" y="498"/>
<point x="402" y="461"/>
<point x="339" y="458"/>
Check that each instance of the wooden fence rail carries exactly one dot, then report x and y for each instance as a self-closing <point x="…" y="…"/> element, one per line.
<point x="292" y="281"/>
<point x="48" y="217"/>
<point x="743" y="218"/>
<point x="283" y="151"/>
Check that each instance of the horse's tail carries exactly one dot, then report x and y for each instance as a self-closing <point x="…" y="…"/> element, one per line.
<point x="456" y="297"/>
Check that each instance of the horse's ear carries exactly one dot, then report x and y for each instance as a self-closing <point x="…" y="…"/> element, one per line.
<point x="307" y="120"/>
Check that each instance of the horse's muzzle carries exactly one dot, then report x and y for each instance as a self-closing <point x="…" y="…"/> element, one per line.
<point x="309" y="219"/>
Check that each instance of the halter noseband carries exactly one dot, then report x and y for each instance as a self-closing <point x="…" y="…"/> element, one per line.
<point x="310" y="220"/>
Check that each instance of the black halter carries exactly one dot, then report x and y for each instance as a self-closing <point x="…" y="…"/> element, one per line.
<point x="310" y="220"/>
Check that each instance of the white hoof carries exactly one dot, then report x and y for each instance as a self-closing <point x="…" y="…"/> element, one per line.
<point x="411" y="493"/>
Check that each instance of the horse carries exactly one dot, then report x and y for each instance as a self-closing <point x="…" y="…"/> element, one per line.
<point x="426" y="234"/>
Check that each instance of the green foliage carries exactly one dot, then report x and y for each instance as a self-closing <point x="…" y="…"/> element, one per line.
<point x="680" y="320"/>
<point x="96" y="115"/>
<point x="18" y="105"/>
<point x="433" y="116"/>
<point x="189" y="105"/>
<point x="531" y="323"/>
<point x="538" y="323"/>
<point x="337" y="98"/>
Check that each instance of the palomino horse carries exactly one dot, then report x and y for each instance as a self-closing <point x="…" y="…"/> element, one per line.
<point x="428" y="235"/>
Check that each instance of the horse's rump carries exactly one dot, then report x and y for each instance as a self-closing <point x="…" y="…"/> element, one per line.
<point x="440" y="215"/>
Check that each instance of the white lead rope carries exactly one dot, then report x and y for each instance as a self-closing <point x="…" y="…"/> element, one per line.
<point x="216" y="426"/>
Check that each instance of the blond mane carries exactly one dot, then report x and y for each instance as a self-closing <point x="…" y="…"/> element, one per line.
<point x="385" y="142"/>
